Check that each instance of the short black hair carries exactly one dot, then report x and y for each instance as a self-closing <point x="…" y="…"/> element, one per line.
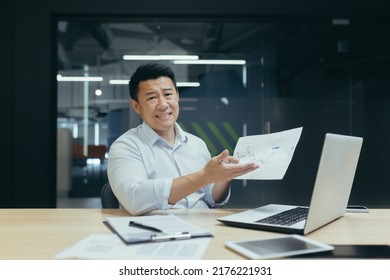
<point x="147" y="72"/>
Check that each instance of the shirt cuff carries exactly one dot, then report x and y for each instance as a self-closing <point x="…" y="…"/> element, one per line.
<point x="224" y="201"/>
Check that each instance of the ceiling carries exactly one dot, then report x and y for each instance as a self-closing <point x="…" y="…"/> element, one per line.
<point x="98" y="43"/>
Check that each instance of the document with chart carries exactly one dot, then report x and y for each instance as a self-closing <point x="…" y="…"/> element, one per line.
<point x="272" y="152"/>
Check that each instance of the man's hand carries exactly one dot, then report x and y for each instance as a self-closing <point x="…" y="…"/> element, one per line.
<point x="220" y="170"/>
<point x="223" y="167"/>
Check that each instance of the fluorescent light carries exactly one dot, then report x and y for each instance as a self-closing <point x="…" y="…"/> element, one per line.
<point x="97" y="128"/>
<point x="141" y="57"/>
<point x="188" y="84"/>
<point x="179" y="84"/>
<point x="179" y="57"/>
<point x="75" y="131"/>
<point x="244" y="75"/>
<point x="118" y="82"/>
<point x="211" y="62"/>
<point x="79" y="79"/>
<point x="160" y="57"/>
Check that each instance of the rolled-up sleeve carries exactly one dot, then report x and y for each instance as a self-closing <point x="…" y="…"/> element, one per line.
<point x="208" y="198"/>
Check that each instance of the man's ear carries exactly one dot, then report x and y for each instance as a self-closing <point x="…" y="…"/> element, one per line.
<point x="134" y="104"/>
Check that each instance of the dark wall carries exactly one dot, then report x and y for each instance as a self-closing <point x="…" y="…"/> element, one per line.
<point x="7" y="73"/>
<point x="28" y="107"/>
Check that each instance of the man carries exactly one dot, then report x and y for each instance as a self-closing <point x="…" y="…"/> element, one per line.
<point x="159" y="166"/>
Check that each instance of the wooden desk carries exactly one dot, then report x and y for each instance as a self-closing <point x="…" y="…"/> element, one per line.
<point x="41" y="233"/>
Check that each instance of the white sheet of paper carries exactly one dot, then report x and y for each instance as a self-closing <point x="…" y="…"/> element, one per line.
<point x="111" y="247"/>
<point x="167" y="223"/>
<point x="273" y="152"/>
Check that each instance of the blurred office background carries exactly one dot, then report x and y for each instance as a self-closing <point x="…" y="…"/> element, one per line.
<point x="245" y="68"/>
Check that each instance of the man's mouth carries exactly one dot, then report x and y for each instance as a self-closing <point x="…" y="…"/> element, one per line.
<point x="164" y="116"/>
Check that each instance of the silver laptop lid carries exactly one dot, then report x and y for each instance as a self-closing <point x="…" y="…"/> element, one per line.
<point x="335" y="175"/>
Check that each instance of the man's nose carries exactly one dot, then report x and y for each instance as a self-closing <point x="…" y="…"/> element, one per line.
<point x="162" y="103"/>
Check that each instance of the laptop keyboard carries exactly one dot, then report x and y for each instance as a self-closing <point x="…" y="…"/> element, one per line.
<point x="286" y="218"/>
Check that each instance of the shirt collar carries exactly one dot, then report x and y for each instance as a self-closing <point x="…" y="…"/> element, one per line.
<point x="180" y="134"/>
<point x="151" y="136"/>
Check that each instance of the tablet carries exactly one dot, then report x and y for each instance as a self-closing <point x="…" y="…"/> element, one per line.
<point x="277" y="247"/>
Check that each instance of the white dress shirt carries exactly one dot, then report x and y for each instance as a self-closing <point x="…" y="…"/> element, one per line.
<point x="142" y="166"/>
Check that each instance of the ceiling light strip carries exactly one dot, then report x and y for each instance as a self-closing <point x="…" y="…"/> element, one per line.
<point x="78" y="79"/>
<point x="118" y="82"/>
<point x="160" y="57"/>
<point x="211" y="62"/>
<point x="188" y="84"/>
<point x="179" y="84"/>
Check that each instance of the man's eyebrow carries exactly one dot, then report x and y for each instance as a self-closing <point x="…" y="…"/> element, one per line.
<point x="154" y="92"/>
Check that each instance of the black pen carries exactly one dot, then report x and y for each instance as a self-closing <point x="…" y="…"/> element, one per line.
<point x="140" y="225"/>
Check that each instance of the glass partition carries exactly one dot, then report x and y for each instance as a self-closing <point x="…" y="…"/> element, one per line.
<point x="237" y="77"/>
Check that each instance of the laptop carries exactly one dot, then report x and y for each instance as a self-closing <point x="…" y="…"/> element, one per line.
<point x="332" y="188"/>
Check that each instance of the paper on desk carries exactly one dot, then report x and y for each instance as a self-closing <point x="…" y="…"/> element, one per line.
<point x="111" y="247"/>
<point x="273" y="152"/>
<point x="167" y="223"/>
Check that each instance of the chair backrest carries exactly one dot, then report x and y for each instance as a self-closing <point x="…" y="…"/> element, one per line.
<point x="108" y="198"/>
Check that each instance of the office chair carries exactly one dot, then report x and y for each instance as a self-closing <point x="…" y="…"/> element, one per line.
<point x="108" y="198"/>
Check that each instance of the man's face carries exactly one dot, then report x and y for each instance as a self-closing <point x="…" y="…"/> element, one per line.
<point x="158" y="104"/>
